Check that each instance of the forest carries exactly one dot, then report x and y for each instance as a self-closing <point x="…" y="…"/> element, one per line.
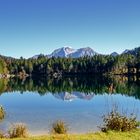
<point x="123" y="64"/>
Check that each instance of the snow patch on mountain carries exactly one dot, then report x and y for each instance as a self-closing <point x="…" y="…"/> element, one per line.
<point x="69" y="52"/>
<point x="62" y="52"/>
<point x="83" y="52"/>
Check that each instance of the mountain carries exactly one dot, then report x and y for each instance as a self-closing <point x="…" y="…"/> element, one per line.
<point x="132" y="52"/>
<point x="76" y="53"/>
<point x="114" y="54"/>
<point x="126" y="51"/>
<point x="69" y="52"/>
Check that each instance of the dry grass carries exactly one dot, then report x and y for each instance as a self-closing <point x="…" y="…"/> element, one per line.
<point x="1" y="134"/>
<point x="18" y="130"/>
<point x="59" y="127"/>
<point x="2" y="113"/>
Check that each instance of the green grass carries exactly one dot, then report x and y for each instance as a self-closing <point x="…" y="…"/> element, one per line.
<point x="132" y="135"/>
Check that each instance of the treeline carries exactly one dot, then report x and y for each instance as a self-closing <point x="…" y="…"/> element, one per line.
<point x="128" y="63"/>
<point x="3" y="67"/>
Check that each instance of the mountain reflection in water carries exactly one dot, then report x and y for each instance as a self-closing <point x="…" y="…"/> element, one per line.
<point x="70" y="88"/>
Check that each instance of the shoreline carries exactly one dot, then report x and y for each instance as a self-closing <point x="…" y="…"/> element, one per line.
<point x="130" y="135"/>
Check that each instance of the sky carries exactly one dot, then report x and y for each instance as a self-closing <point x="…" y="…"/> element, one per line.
<point x="30" y="27"/>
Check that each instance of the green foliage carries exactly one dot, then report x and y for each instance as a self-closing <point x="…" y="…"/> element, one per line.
<point x="18" y="130"/>
<point x="59" y="127"/>
<point x="118" y="122"/>
<point x="3" y="67"/>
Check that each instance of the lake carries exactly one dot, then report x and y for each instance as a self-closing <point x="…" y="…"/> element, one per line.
<point x="79" y="101"/>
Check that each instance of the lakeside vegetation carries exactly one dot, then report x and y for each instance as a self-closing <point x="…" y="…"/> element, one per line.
<point x="117" y="121"/>
<point x="116" y="126"/>
<point x="126" y="63"/>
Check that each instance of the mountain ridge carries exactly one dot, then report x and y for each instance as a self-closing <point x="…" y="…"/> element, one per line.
<point x="66" y="52"/>
<point x="74" y="53"/>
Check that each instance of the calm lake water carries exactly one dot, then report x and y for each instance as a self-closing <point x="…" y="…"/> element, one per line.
<point x="80" y="102"/>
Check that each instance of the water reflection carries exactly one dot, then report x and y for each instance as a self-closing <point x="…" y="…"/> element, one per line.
<point x="69" y="88"/>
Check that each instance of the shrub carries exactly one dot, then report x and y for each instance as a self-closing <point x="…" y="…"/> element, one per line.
<point x="59" y="127"/>
<point x="115" y="121"/>
<point x="2" y="113"/>
<point x="18" y="130"/>
<point x="1" y="134"/>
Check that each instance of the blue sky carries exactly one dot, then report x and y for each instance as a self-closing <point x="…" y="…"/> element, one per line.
<point x="29" y="27"/>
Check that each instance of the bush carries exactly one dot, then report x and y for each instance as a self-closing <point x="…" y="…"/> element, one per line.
<point x="1" y="134"/>
<point x="115" y="121"/>
<point x="2" y="113"/>
<point x="59" y="127"/>
<point x="18" y="130"/>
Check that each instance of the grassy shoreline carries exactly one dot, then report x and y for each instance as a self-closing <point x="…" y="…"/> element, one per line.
<point x="111" y="135"/>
